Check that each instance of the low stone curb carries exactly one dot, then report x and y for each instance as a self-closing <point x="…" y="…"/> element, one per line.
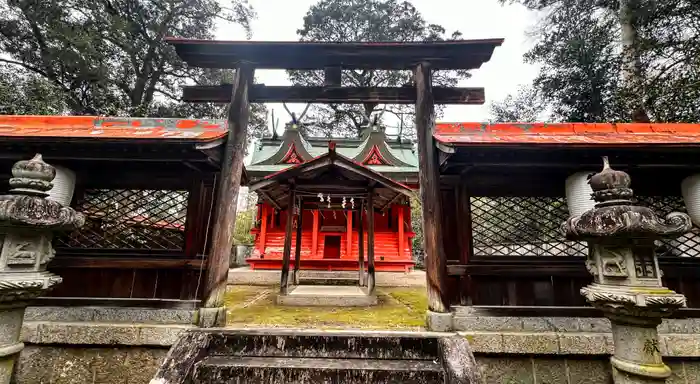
<point x="111" y="315"/>
<point x="570" y="343"/>
<point x="49" y="332"/>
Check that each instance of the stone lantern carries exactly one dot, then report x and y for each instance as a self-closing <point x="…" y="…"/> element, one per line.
<point x="27" y="223"/>
<point x="627" y="280"/>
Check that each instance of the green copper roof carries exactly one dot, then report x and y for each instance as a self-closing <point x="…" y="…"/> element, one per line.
<point x="268" y="154"/>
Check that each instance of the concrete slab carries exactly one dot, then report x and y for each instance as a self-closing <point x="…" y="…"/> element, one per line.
<point x="327" y="296"/>
<point x="246" y="276"/>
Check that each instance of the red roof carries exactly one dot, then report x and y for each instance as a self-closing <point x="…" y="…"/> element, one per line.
<point x="566" y="133"/>
<point x="111" y="127"/>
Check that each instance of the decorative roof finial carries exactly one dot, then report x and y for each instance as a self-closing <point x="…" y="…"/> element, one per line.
<point x="32" y="177"/>
<point x="611" y="187"/>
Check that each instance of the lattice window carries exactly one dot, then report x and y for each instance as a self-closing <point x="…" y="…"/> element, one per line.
<point x="521" y="226"/>
<point x="687" y="245"/>
<point x="130" y="219"/>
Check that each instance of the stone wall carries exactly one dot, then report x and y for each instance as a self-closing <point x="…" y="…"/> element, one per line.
<point x="566" y="350"/>
<point x="502" y="369"/>
<point x="64" y="364"/>
<point x="509" y="350"/>
<point x="90" y="352"/>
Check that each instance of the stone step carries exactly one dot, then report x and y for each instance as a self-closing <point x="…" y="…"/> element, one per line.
<point x="327" y="296"/>
<point x="321" y="275"/>
<point x="324" y="344"/>
<point x="329" y="281"/>
<point x="274" y="370"/>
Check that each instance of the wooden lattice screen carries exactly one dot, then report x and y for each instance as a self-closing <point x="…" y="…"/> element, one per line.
<point x="521" y="226"/>
<point x="130" y="219"/>
<point x="529" y="226"/>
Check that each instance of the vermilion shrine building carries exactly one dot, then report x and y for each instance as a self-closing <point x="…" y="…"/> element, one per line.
<point x="330" y="236"/>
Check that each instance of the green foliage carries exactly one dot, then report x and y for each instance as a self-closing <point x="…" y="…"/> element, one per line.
<point x="417" y="224"/>
<point x="526" y="105"/>
<point x="366" y="20"/>
<point x="109" y="57"/>
<point x="28" y="95"/>
<point x="245" y="221"/>
<point x="578" y="46"/>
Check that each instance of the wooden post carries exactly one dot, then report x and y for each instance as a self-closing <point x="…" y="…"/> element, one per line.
<point x="466" y="244"/>
<point x="348" y="235"/>
<point x="226" y="202"/>
<point x="401" y="233"/>
<point x="286" y="253"/>
<point x="361" y="244"/>
<point x="263" y="229"/>
<point x="314" y="235"/>
<point x="429" y="176"/>
<point x="370" y="243"/>
<point x="297" y="245"/>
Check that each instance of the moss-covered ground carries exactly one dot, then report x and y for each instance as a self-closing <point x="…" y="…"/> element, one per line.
<point x="398" y="308"/>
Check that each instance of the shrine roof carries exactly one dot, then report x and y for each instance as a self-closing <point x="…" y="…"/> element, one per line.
<point x="390" y="156"/>
<point x="329" y="171"/>
<point x="582" y="134"/>
<point x="93" y="127"/>
<point x="297" y="55"/>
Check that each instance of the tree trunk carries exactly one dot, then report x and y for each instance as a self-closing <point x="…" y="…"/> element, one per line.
<point x="632" y="72"/>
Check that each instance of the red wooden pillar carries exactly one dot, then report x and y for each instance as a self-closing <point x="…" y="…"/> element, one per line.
<point x="348" y="240"/>
<point x="370" y="243"/>
<point x="361" y="243"/>
<point x="314" y="235"/>
<point x="263" y="229"/>
<point x="401" y="233"/>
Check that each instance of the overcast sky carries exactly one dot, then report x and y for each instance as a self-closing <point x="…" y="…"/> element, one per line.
<point x="278" y="20"/>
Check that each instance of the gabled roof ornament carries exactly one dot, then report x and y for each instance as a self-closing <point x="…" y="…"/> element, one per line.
<point x="295" y="122"/>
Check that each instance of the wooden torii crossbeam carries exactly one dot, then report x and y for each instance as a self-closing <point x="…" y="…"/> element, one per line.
<point x="420" y="58"/>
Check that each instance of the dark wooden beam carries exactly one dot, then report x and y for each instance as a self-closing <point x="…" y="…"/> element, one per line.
<point x="392" y="201"/>
<point x="370" y="244"/>
<point x="346" y="95"/>
<point x="115" y="302"/>
<point x="343" y="185"/>
<point x="125" y="263"/>
<point x="286" y="252"/>
<point x="269" y="199"/>
<point x="333" y="76"/>
<point x="297" y="55"/>
<point x="435" y="257"/>
<point x="225" y="219"/>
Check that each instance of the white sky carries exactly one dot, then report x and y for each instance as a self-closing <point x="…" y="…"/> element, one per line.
<point x="278" y="20"/>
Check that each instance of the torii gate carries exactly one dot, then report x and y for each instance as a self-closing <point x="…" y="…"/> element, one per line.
<point x="422" y="58"/>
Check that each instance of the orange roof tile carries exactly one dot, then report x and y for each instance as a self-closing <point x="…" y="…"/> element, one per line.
<point x="111" y="127"/>
<point x="566" y="133"/>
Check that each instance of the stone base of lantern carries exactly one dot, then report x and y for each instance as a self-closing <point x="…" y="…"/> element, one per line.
<point x="633" y="302"/>
<point x="16" y="289"/>
<point x="640" y="360"/>
<point x="635" y="313"/>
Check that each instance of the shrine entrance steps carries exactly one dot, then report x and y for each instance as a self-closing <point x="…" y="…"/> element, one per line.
<point x="273" y="356"/>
